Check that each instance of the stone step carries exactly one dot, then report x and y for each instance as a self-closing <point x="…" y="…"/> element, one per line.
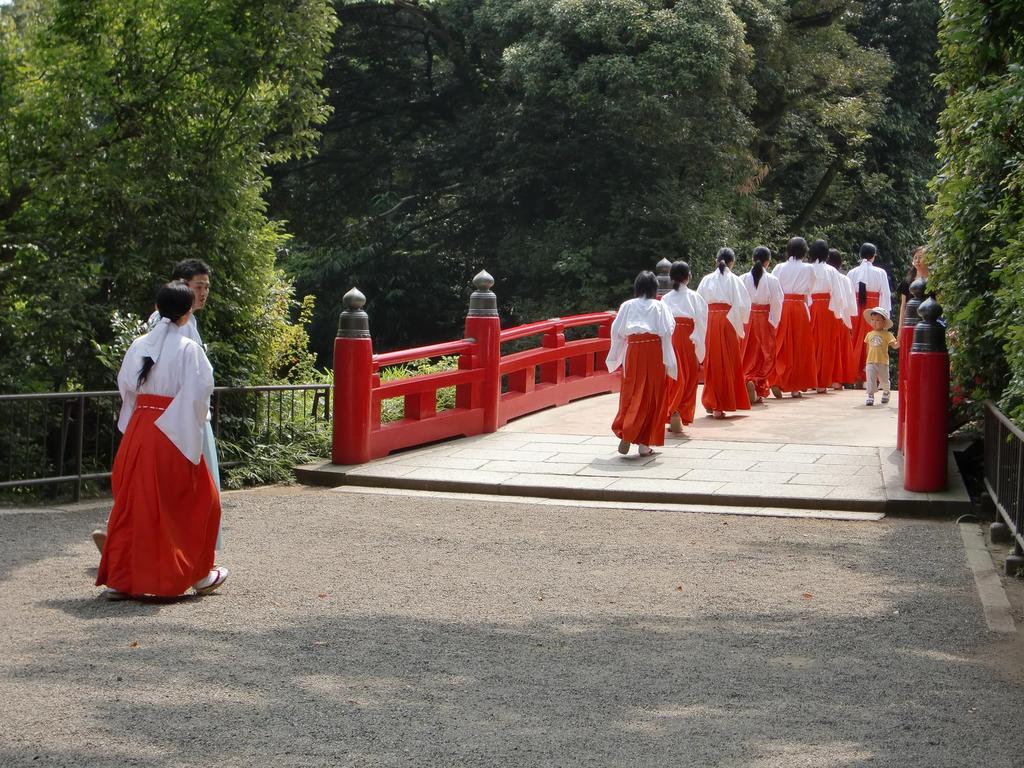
<point x="719" y="509"/>
<point x="578" y="488"/>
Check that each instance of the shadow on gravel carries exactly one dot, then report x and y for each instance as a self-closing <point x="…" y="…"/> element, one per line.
<point x="34" y="536"/>
<point x="748" y="679"/>
<point x="645" y="690"/>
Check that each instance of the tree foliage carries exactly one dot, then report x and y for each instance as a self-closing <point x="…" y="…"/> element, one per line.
<point x="565" y="145"/>
<point x="134" y="133"/>
<point x="978" y="217"/>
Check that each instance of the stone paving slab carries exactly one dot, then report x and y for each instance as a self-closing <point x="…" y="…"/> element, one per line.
<point x="568" y="452"/>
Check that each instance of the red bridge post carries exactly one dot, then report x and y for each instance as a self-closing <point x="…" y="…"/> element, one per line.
<point x="484" y="326"/>
<point x="353" y="383"/>
<point x="927" y="438"/>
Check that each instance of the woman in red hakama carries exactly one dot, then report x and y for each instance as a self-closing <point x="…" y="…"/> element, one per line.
<point x="691" y="317"/>
<point x="844" y="373"/>
<point x="827" y="307"/>
<point x="163" y="527"/>
<point x="871" y="287"/>
<point x="794" y="349"/>
<point x="728" y="311"/>
<point x="758" y="347"/>
<point x="641" y="342"/>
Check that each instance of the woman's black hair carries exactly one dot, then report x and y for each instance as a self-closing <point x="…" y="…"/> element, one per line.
<point x="868" y="251"/>
<point x="819" y="250"/>
<point x="761" y="256"/>
<point x="796" y="248"/>
<point x="679" y="274"/>
<point x="173" y="301"/>
<point x="912" y="271"/>
<point x="835" y="258"/>
<point x="726" y="256"/>
<point x="646" y="285"/>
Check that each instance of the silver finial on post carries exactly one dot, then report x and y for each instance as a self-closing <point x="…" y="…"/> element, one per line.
<point x="664" y="281"/>
<point x="483" y="302"/>
<point x="353" y="322"/>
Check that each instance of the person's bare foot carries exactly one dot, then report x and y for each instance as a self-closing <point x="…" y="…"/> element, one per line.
<point x="675" y="423"/>
<point x="719" y="414"/>
<point x="752" y="393"/>
<point x="99" y="538"/>
<point x="776" y="393"/>
<point x="624" y="447"/>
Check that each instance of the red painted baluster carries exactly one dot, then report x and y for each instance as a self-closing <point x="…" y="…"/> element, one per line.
<point x="353" y="383"/>
<point x="553" y="372"/>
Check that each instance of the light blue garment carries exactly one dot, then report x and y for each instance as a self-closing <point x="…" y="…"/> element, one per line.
<point x="210" y="454"/>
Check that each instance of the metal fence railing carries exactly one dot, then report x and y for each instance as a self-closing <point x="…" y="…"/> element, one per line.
<point x="1004" y="471"/>
<point x="72" y="437"/>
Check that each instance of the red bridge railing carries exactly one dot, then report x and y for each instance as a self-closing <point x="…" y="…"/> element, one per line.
<point x="490" y="387"/>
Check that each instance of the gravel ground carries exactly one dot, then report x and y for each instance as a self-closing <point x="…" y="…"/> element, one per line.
<point x="369" y="631"/>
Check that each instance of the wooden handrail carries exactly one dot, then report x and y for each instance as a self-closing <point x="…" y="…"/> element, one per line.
<point x="543" y="326"/>
<point x="419" y="353"/>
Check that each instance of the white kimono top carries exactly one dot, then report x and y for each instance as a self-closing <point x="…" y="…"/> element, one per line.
<point x="642" y="316"/>
<point x="683" y="302"/>
<point x="795" y="276"/>
<point x="725" y="288"/>
<point x="849" y="298"/>
<point x="874" y="279"/>
<point x="190" y="329"/>
<point x="768" y="291"/>
<point x="180" y="371"/>
<point x="826" y="280"/>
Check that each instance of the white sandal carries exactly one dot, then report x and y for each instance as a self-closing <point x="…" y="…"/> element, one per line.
<point x="213" y="580"/>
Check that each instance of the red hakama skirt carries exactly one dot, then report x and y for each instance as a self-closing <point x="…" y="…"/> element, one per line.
<point x="845" y="372"/>
<point x="758" y="350"/>
<point x="858" y="349"/>
<point x="724" y="387"/>
<point x="641" y="414"/>
<point x="829" y="358"/>
<point x="794" y="352"/>
<point x="681" y="392"/>
<point x="163" y="527"/>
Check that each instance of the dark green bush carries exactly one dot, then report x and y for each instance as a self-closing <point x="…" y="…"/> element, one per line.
<point x="978" y="217"/>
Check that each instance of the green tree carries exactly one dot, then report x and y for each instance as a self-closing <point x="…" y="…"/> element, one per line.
<point x="563" y="145"/>
<point x="134" y="133"/>
<point x="820" y="92"/>
<point x="899" y="157"/>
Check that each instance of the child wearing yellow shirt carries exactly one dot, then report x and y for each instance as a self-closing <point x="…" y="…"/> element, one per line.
<point x="878" y="340"/>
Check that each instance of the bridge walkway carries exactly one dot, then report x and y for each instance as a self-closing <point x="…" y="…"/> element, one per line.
<point x="819" y="455"/>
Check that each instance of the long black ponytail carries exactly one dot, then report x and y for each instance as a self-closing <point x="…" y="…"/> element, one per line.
<point x="726" y="257"/>
<point x="761" y="256"/>
<point x="679" y="274"/>
<point x="173" y="301"/>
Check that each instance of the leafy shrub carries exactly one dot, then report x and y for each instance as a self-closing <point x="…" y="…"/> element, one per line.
<point x="393" y="409"/>
<point x="978" y="218"/>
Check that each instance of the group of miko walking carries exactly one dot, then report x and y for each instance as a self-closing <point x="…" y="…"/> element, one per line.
<point x="802" y="326"/>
